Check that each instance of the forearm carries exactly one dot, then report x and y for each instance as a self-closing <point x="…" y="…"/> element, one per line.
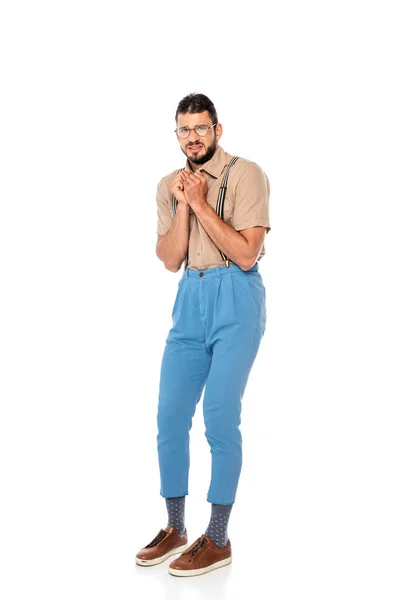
<point x="172" y="248"/>
<point x="232" y="243"/>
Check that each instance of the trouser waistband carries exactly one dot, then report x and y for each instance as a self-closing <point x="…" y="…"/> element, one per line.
<point x="217" y="271"/>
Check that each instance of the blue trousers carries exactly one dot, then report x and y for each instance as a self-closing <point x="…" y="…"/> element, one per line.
<point x="219" y="319"/>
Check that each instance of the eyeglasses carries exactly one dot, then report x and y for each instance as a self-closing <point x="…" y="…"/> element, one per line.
<point x="201" y="130"/>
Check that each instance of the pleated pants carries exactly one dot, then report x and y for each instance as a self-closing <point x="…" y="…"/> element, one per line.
<point x="218" y="321"/>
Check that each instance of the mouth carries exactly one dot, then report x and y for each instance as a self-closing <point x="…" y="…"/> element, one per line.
<point x="194" y="148"/>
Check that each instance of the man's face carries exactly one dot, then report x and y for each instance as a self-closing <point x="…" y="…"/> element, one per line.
<point x="198" y="149"/>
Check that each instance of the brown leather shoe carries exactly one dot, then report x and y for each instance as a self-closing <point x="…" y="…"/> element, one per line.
<point x="166" y="543"/>
<point x="202" y="556"/>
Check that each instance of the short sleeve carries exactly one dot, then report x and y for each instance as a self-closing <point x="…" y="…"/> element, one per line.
<point x="251" y="203"/>
<point x="164" y="208"/>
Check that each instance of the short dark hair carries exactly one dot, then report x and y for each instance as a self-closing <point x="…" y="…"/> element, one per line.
<point x="196" y="103"/>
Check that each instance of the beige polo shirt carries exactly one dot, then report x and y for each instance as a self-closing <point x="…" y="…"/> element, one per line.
<point x="246" y="205"/>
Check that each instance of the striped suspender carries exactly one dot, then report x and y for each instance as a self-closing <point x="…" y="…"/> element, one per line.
<point x="174" y="200"/>
<point x="174" y="205"/>
<point x="221" y="200"/>
<point x="220" y="207"/>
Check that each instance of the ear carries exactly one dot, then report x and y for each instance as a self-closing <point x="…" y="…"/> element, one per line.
<point x="218" y="131"/>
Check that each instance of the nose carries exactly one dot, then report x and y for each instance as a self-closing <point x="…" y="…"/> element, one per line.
<point x="193" y="136"/>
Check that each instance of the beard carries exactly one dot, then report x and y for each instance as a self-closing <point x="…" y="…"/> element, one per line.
<point x="200" y="160"/>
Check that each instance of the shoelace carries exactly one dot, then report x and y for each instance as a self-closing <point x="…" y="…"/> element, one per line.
<point x="160" y="536"/>
<point x="199" y="544"/>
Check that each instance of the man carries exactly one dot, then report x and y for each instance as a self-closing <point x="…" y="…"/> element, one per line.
<point x="219" y="318"/>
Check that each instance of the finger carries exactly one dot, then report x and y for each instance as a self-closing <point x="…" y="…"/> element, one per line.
<point x="178" y="180"/>
<point x="193" y="180"/>
<point x="186" y="176"/>
<point x="198" y="179"/>
<point x="196" y="174"/>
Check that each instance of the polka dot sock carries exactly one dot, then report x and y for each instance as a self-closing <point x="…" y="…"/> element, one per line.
<point x="217" y="528"/>
<point x="176" y="513"/>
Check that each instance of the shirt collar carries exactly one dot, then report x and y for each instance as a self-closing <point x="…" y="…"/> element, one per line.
<point x="216" y="164"/>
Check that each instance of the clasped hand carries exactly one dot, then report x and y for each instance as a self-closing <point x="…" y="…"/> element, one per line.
<point x="194" y="187"/>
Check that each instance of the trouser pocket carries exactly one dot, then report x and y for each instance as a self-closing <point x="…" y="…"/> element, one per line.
<point x="257" y="291"/>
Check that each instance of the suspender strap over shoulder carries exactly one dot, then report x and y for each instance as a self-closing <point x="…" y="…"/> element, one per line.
<point x="221" y="200"/>
<point x="219" y="207"/>
<point x="174" y="200"/>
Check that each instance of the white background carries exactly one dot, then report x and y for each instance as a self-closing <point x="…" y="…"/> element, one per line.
<point x="89" y="92"/>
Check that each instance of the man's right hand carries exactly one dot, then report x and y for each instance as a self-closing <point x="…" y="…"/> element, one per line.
<point x="176" y="188"/>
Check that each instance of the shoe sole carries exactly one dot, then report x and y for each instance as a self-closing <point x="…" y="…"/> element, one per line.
<point x="160" y="559"/>
<point x="190" y="573"/>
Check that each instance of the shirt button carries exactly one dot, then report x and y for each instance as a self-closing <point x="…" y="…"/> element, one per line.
<point x="201" y="274"/>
